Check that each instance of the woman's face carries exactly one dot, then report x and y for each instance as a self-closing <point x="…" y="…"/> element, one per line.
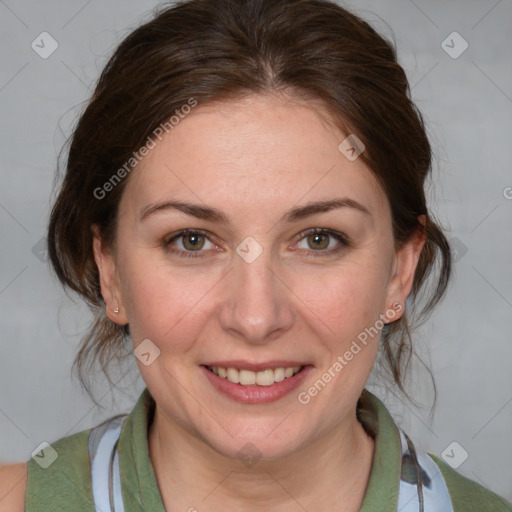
<point x="250" y="285"/>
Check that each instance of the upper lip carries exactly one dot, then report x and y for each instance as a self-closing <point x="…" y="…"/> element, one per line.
<point x="256" y="367"/>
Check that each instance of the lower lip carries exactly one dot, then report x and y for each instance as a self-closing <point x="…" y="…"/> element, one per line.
<point x="255" y="394"/>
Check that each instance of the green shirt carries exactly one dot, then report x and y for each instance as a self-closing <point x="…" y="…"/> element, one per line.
<point x="65" y="485"/>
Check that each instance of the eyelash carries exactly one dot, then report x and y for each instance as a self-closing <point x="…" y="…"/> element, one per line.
<point x="341" y="237"/>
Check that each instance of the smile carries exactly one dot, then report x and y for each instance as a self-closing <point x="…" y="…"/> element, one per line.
<point x="266" y="377"/>
<point x="258" y="386"/>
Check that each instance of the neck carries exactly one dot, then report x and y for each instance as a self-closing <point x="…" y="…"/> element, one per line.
<point x="332" y="470"/>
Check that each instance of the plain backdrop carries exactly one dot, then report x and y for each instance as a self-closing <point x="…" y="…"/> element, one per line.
<point x="466" y="99"/>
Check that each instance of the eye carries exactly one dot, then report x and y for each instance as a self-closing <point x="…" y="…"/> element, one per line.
<point x="189" y="241"/>
<point x="323" y="241"/>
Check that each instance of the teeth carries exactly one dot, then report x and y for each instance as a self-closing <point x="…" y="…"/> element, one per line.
<point x="233" y="375"/>
<point x="279" y="374"/>
<point x="248" y="377"/>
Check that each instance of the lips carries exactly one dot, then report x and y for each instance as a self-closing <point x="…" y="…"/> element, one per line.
<point x="254" y="383"/>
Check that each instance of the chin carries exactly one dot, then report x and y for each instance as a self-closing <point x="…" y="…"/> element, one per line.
<point x="249" y="442"/>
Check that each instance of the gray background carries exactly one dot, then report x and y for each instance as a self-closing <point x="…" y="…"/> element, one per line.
<point x="467" y="103"/>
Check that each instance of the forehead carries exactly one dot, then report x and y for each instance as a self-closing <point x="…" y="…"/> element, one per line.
<point x="253" y="155"/>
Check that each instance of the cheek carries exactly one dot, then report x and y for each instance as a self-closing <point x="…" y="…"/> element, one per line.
<point x="163" y="304"/>
<point x="344" y="312"/>
<point x="346" y="299"/>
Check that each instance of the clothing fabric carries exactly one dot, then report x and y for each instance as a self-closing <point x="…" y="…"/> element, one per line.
<point x="107" y="468"/>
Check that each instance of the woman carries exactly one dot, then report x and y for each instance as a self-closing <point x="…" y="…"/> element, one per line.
<point x="244" y="205"/>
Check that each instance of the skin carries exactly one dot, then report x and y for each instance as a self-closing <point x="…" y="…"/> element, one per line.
<point x="13" y="483"/>
<point x="254" y="159"/>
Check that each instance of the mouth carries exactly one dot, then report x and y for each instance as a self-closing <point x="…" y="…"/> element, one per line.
<point x="255" y="384"/>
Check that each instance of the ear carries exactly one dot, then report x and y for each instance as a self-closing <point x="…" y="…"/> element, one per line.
<point x="406" y="261"/>
<point x="109" y="281"/>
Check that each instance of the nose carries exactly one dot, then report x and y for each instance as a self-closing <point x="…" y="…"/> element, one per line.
<point x="258" y="303"/>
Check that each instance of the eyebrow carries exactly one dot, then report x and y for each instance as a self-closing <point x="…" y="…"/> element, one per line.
<point x="214" y="215"/>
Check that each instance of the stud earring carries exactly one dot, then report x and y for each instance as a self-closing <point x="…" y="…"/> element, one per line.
<point x="116" y="310"/>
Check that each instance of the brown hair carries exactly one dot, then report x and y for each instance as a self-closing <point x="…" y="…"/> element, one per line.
<point x="223" y="49"/>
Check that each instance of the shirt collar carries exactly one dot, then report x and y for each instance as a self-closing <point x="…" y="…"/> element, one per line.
<point x="384" y="483"/>
<point x="140" y="488"/>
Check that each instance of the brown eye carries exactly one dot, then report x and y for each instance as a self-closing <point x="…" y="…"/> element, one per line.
<point x="318" y="241"/>
<point x="193" y="241"/>
<point x="190" y="243"/>
<point x="322" y="242"/>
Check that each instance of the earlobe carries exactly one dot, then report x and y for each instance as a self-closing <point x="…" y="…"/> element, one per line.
<point x="110" y="290"/>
